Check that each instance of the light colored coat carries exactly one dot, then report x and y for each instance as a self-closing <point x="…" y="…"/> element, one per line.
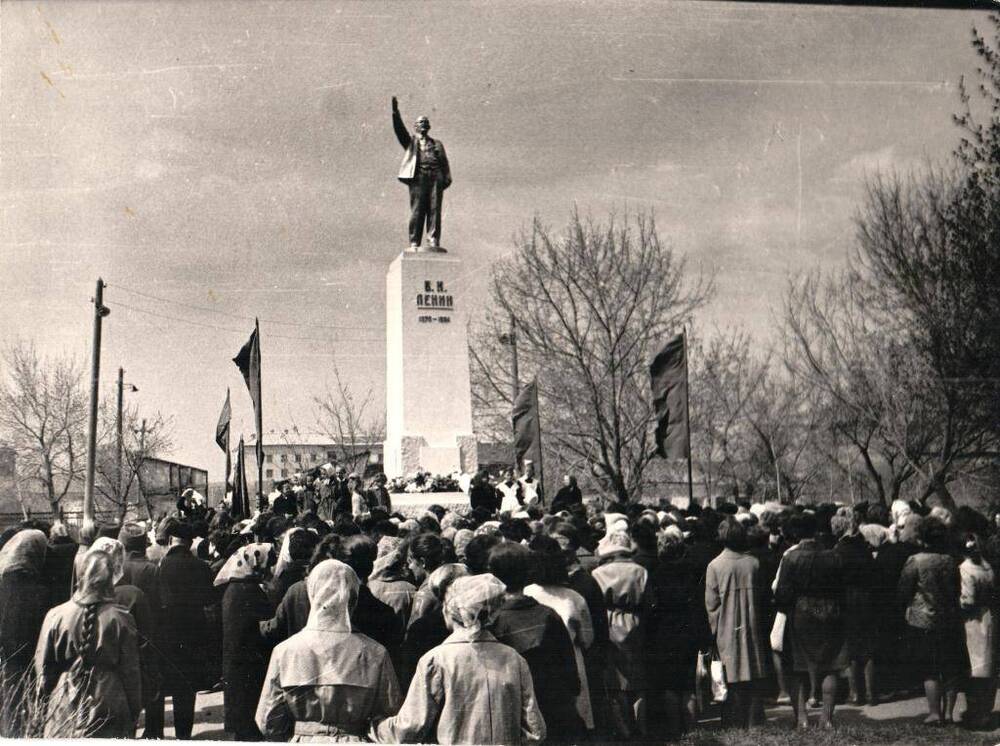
<point x="572" y="609"/>
<point x="980" y="622"/>
<point x="734" y="600"/>
<point x="337" y="680"/>
<point x="469" y="689"/>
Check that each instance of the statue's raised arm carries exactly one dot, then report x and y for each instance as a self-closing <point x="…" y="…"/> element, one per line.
<point x="426" y="172"/>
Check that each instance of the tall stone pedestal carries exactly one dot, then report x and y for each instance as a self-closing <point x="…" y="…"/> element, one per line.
<point x="428" y="395"/>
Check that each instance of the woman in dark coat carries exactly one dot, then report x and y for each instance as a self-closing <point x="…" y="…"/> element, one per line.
<point x="245" y="653"/>
<point x="810" y="589"/>
<point x="673" y="642"/>
<point x="859" y="621"/>
<point x="539" y="635"/>
<point x="24" y="599"/>
<point x="930" y="589"/>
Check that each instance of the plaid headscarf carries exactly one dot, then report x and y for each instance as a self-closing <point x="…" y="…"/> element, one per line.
<point x="473" y="601"/>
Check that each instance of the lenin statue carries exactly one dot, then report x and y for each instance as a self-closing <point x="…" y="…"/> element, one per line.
<point x="425" y="171"/>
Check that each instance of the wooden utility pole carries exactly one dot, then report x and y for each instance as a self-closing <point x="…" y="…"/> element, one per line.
<point x="515" y="383"/>
<point x="100" y="311"/>
<point x="138" y="469"/>
<point x="118" y="433"/>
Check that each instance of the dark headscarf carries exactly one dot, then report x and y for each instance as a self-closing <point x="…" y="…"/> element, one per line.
<point x="25" y="552"/>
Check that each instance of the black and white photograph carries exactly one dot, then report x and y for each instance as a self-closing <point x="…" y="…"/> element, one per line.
<point x="500" y="371"/>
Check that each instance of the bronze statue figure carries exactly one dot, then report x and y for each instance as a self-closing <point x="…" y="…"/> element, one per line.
<point x="425" y="172"/>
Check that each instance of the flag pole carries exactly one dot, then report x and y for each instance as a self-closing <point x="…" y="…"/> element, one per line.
<point x="687" y="417"/>
<point x="260" y="423"/>
<point x="538" y="439"/>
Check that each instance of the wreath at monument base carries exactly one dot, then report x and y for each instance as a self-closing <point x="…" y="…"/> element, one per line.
<point x="424" y="481"/>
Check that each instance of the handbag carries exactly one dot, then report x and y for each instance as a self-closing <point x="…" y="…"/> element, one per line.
<point x="718" y="676"/>
<point x="778" y="632"/>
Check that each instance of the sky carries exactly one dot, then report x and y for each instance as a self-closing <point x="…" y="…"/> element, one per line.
<point x="216" y="161"/>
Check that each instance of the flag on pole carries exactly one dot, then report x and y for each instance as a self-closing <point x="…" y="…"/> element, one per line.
<point x="669" y="384"/>
<point x="240" y="507"/>
<point x="222" y="434"/>
<point x="527" y="427"/>
<point x="248" y="361"/>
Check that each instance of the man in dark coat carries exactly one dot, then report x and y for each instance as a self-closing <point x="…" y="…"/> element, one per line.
<point x="186" y="591"/>
<point x="482" y="494"/>
<point x="568" y="495"/>
<point x="140" y="571"/>
<point x="539" y="635"/>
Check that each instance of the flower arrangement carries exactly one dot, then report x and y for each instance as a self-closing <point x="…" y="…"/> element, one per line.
<point x="424" y="481"/>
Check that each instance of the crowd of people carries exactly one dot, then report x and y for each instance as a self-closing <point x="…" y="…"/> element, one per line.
<point x="506" y="621"/>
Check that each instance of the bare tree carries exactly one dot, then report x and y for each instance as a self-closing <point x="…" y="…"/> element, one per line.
<point x="43" y="412"/>
<point x="589" y="308"/>
<point x="119" y="487"/>
<point x="350" y="421"/>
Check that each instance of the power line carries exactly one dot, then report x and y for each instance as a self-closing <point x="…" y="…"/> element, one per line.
<point x="240" y="317"/>
<point x="220" y="328"/>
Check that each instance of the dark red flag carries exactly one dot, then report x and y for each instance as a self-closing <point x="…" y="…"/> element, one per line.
<point x="669" y="384"/>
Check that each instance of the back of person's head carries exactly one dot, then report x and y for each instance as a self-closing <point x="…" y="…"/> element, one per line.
<point x="358" y="552"/>
<point x="477" y="552"/>
<point x="328" y="548"/>
<point x="550" y="561"/>
<point x="96" y="586"/>
<point x="301" y="545"/>
<point x="644" y="536"/>
<point x="429" y="523"/>
<point x="878" y="514"/>
<point x="933" y="534"/>
<point x="800" y="526"/>
<point x="568" y="532"/>
<point x="515" y="530"/>
<point x="727" y="508"/>
<point x="221" y="540"/>
<point x="344" y="525"/>
<point x="758" y="537"/>
<point x="511" y="564"/>
<point x="732" y="534"/>
<point x="429" y="550"/>
<point x="441" y="579"/>
<point x="843" y="524"/>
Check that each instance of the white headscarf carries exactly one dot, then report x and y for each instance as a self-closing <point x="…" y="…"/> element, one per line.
<point x="115" y="550"/>
<point x="285" y="554"/>
<point x="333" y="590"/>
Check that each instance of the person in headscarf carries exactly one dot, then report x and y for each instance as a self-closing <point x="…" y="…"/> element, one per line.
<point x="59" y="560"/>
<point x="297" y="546"/>
<point x="628" y="595"/>
<point x="893" y="672"/>
<point x="327" y="682"/>
<point x="87" y="660"/>
<point x="427" y="627"/>
<point x="135" y="602"/>
<point x="244" y="650"/>
<point x="390" y="581"/>
<point x="470" y="688"/>
<point x="978" y="601"/>
<point x="24" y="600"/>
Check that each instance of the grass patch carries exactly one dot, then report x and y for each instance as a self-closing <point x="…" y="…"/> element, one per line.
<point x="781" y="734"/>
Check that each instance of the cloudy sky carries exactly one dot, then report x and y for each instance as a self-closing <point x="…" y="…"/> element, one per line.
<point x="236" y="159"/>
